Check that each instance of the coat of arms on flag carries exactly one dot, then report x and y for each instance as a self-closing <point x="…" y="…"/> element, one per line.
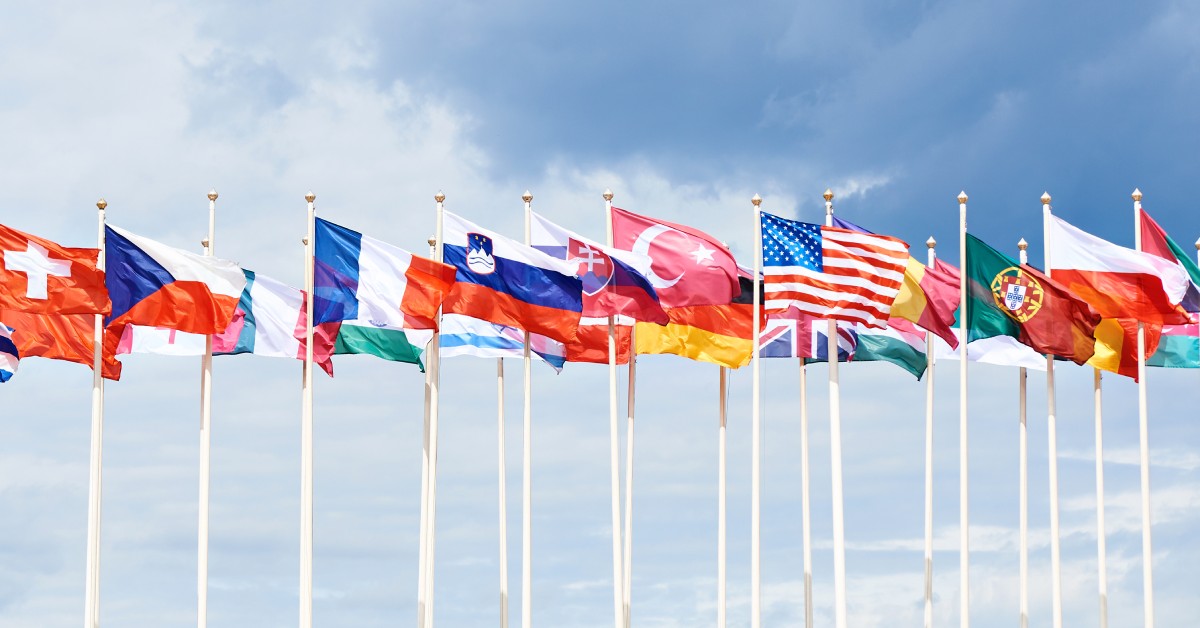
<point x="1017" y="293"/>
<point x="595" y="267"/>
<point x="479" y="254"/>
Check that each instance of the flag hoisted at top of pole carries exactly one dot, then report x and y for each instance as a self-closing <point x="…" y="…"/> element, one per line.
<point x="43" y="277"/>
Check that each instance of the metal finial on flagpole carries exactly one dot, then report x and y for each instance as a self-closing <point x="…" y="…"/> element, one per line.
<point x="930" y="243"/>
<point x="1046" y="198"/>
<point x="1023" y="245"/>
<point x="101" y="204"/>
<point x="608" y="194"/>
<point x="212" y="194"/>
<point x="432" y="241"/>
<point x="439" y="197"/>
<point x="757" y="200"/>
<point x="962" y="196"/>
<point x="310" y="197"/>
<point x="828" y="195"/>
<point x="527" y="196"/>
<point x="1137" y="194"/>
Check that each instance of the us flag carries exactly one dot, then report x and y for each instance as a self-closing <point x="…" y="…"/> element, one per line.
<point x="829" y="272"/>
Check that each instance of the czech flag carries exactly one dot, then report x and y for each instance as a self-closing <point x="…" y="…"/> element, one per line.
<point x="508" y="283"/>
<point x="159" y="286"/>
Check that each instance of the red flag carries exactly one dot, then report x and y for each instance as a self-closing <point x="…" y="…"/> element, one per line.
<point x="37" y="275"/>
<point x="68" y="337"/>
<point x="689" y="267"/>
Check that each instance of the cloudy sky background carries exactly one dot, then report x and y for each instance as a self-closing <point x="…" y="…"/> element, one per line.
<point x="684" y="112"/>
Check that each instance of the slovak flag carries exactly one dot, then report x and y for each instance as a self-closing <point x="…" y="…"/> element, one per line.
<point x="42" y="277"/>
<point x="159" y="286"/>
<point x="614" y="281"/>
<point x="505" y="282"/>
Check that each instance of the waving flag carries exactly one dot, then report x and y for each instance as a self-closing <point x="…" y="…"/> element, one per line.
<point x="37" y="275"/>
<point x="463" y="335"/>
<point x="1155" y="241"/>
<point x="900" y="343"/>
<point x="1118" y="282"/>
<point x="805" y="337"/>
<point x="1178" y="346"/>
<point x="8" y="354"/>
<point x="614" y="281"/>
<point x="159" y="286"/>
<point x="60" y="337"/>
<point x="829" y="272"/>
<point x="928" y="295"/>
<point x="1116" y="346"/>
<point x="505" y="282"/>
<point x="687" y="266"/>
<point x="370" y="295"/>
<point x="997" y="350"/>
<point x="720" y="334"/>
<point x="270" y="321"/>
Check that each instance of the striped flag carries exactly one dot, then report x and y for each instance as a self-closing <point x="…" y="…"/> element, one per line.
<point x="8" y="354"/>
<point x="829" y="272"/>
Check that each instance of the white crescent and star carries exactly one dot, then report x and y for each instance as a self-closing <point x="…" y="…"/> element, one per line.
<point x="642" y="247"/>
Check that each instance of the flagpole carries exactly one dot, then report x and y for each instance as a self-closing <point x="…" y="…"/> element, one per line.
<point x="422" y="554"/>
<point x="1144" y="442"/>
<point x="721" y="498"/>
<point x="627" y="580"/>
<point x="205" y="442"/>
<point x="306" y="429"/>
<point x="805" y="503"/>
<point x="835" y="456"/>
<point x="1101" y="553"/>
<point x="435" y="375"/>
<point x="91" y="615"/>
<point x="1022" y="384"/>
<point x="1052" y="428"/>
<point x="756" y="435"/>
<point x="614" y="447"/>
<point x="964" y="527"/>
<point x="929" y="367"/>
<point x="503" y="494"/>
<point x="527" y="476"/>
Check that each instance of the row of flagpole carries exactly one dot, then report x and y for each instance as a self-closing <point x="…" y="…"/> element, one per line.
<point x="622" y="553"/>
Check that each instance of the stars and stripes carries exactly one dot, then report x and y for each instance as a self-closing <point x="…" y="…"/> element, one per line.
<point x="829" y="272"/>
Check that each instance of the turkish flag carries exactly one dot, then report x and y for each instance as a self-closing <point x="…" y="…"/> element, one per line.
<point x="40" y="276"/>
<point x="67" y="337"/>
<point x="689" y="267"/>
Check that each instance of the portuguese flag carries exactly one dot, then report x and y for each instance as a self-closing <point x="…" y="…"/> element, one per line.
<point x="1006" y="298"/>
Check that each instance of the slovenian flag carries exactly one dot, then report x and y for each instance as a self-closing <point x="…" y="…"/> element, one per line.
<point x="371" y="297"/>
<point x="270" y="321"/>
<point x="8" y="354"/>
<point x="508" y="283"/>
<point x="160" y="286"/>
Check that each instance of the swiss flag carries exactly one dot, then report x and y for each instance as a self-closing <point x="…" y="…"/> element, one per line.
<point x="66" y="337"/>
<point x="42" y="277"/>
<point x="688" y="266"/>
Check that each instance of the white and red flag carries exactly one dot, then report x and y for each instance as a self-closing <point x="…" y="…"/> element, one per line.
<point x="42" y="277"/>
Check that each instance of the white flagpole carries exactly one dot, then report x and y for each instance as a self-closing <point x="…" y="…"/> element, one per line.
<point x="1052" y="428"/>
<point x="422" y="555"/>
<point x="527" y="476"/>
<point x="1101" y="551"/>
<point x="435" y="374"/>
<point x="1024" y="472"/>
<point x="724" y="405"/>
<point x="91" y="615"/>
<point x="835" y="458"/>
<point x="1144" y="440"/>
<point x="756" y="435"/>
<point x="805" y="503"/>
<point x="614" y="448"/>
<point x="627" y="580"/>
<point x="930" y="363"/>
<point x="306" y="430"/>
<point x="205" y="442"/>
<point x="503" y="494"/>
<point x="964" y="527"/>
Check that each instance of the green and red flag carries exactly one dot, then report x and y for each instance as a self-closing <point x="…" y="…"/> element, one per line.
<point x="1007" y="298"/>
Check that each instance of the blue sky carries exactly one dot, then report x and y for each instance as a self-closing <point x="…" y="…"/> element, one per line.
<point x="684" y="111"/>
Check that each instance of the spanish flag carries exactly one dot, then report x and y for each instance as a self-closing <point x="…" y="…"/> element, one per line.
<point x="1116" y="346"/>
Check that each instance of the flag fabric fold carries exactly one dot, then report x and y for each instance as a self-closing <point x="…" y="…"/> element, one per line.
<point x="997" y="350"/>
<point x="1178" y="346"/>
<point x="502" y="281"/>
<point x="40" y="276"/>
<point x="371" y="297"/>
<point x="829" y="272"/>
<point x="719" y="334"/>
<point x="1155" y="241"/>
<point x="1116" y="346"/>
<point x="463" y="335"/>
<point x="1017" y="300"/>
<point x="65" y="337"/>
<point x="900" y="343"/>
<point x="1116" y="281"/>
<point x="805" y="337"/>
<point x="9" y="356"/>
<point x="688" y="267"/>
